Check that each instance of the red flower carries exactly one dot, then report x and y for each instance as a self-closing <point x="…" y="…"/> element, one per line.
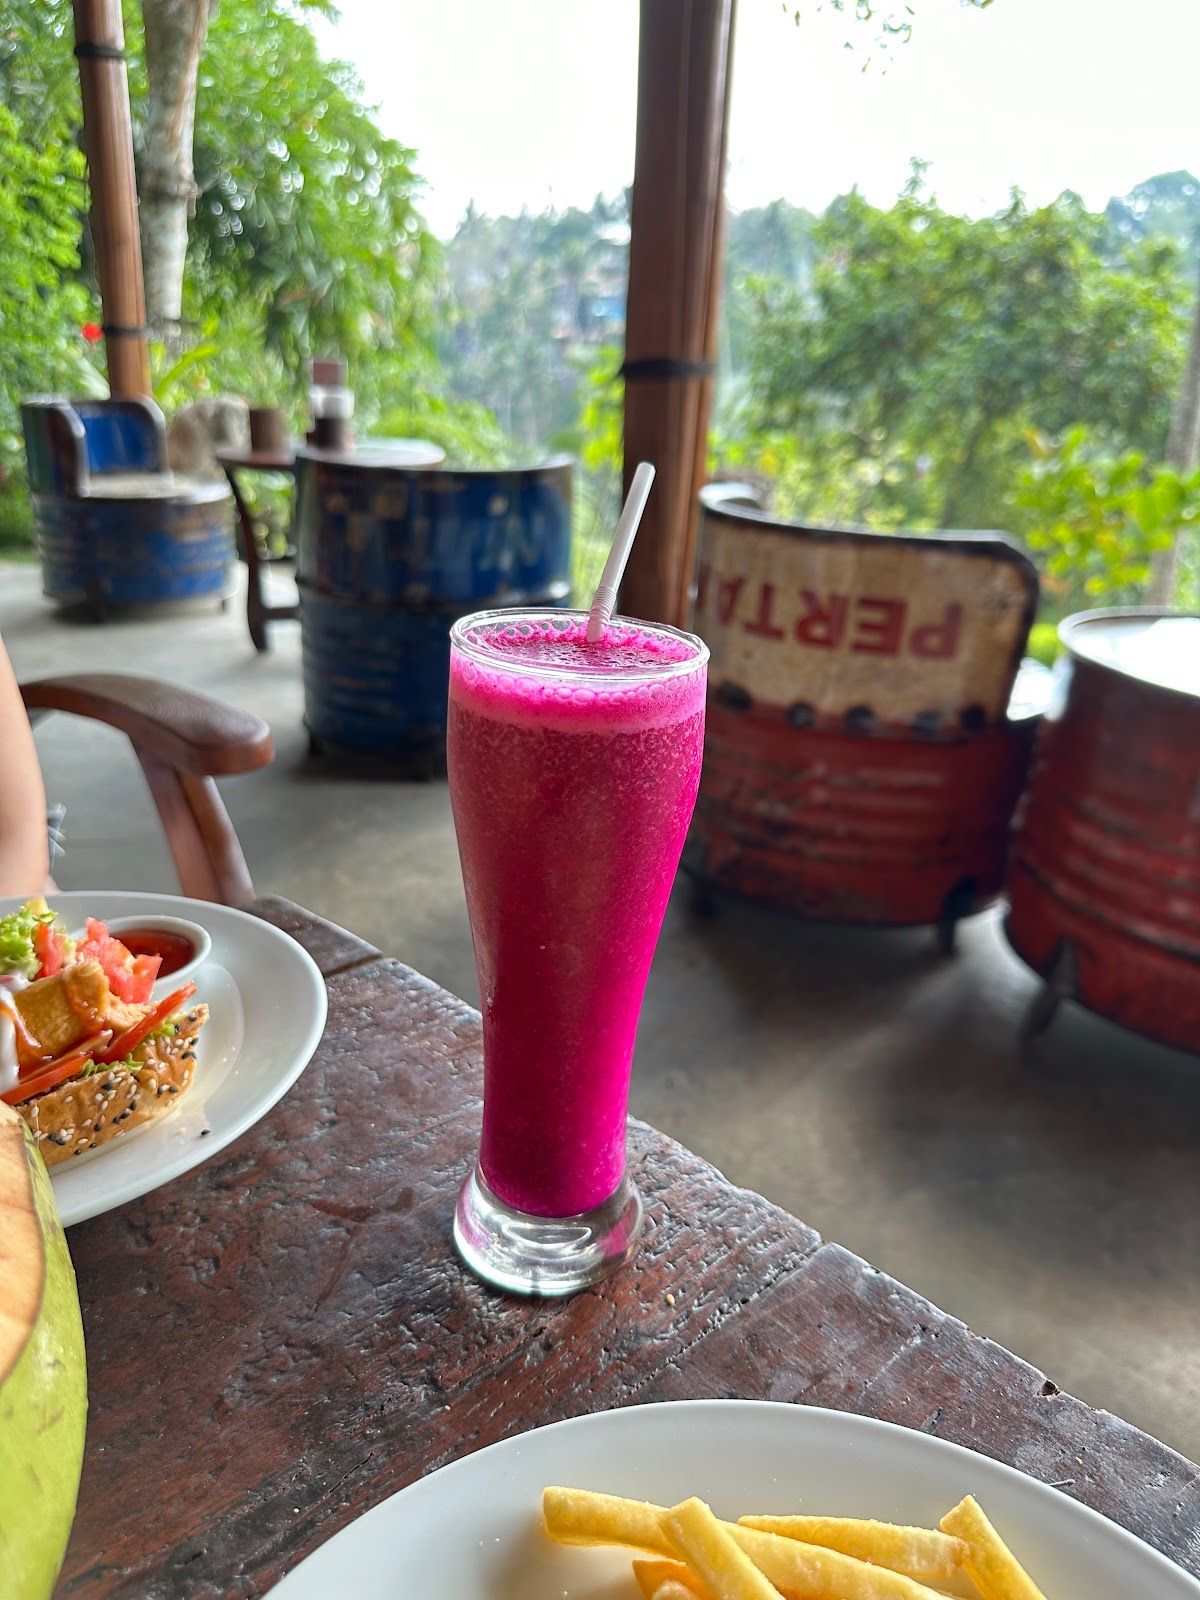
<point x="92" y="331"/>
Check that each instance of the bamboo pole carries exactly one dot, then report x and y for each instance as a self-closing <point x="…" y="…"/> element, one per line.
<point x="674" y="286"/>
<point x="108" y="143"/>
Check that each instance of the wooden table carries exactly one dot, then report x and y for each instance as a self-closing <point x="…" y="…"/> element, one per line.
<point x="284" y="1337"/>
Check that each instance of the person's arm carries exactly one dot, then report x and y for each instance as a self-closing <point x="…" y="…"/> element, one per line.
<point x="24" y="851"/>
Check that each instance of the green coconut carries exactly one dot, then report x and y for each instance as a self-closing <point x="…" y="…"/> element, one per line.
<point x="43" y="1379"/>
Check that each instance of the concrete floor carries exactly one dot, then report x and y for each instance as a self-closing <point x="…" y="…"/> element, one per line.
<point x="1050" y="1197"/>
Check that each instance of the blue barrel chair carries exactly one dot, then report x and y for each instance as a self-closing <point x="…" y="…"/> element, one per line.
<point x="116" y="529"/>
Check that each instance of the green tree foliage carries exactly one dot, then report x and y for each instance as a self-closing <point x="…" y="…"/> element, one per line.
<point x="43" y="304"/>
<point x="598" y="443"/>
<point x="525" y="298"/>
<point x="764" y="246"/>
<point x="1163" y="207"/>
<point x="1096" y="519"/>
<point x="39" y="81"/>
<point x="307" y="238"/>
<point x="890" y="25"/>
<point x="903" y="385"/>
<point x="306" y="235"/>
<point x="466" y="431"/>
<point x="42" y="308"/>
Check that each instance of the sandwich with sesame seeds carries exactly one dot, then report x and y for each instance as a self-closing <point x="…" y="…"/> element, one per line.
<point x="86" y="1052"/>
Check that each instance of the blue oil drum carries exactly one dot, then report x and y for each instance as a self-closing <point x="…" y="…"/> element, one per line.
<point x="376" y="677"/>
<point x="388" y="558"/>
<point x="420" y="537"/>
<point x="116" y="530"/>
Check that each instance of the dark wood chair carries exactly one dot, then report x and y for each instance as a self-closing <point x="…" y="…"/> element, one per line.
<point x="258" y="612"/>
<point x="184" y="741"/>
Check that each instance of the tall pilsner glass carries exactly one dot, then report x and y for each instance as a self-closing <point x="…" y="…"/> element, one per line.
<point x="573" y="773"/>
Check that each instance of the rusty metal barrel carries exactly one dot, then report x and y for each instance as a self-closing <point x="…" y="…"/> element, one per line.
<point x="861" y="762"/>
<point x="1104" y="882"/>
<point x="387" y="559"/>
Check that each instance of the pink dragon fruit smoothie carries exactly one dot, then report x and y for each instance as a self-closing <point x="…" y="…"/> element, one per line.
<point x="573" y="772"/>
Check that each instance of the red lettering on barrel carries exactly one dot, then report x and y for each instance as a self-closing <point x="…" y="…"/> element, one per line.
<point x="822" y="625"/>
<point x="938" y="640"/>
<point x="880" y="635"/>
<point x="762" y="623"/>
<point x="728" y="593"/>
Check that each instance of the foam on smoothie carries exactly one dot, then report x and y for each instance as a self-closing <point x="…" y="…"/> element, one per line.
<point x="629" y="677"/>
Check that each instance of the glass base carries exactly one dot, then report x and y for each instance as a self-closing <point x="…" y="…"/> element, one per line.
<point x="547" y="1256"/>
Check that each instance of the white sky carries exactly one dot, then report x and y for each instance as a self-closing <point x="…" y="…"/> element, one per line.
<point x="532" y="102"/>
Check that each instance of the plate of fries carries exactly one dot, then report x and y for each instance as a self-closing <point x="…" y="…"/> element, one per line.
<point x="731" y="1500"/>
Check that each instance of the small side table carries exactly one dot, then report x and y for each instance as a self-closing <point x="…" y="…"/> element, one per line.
<point x="258" y="612"/>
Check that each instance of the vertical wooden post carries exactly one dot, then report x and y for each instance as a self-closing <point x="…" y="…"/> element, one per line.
<point x="108" y="143"/>
<point x="674" y="286"/>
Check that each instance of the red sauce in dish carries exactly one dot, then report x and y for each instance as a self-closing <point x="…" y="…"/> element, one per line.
<point x="176" y="949"/>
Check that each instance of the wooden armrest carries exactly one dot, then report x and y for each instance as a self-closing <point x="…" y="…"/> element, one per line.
<point x="183" y="740"/>
<point x="184" y="730"/>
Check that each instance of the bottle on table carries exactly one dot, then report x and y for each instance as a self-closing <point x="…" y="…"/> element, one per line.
<point x="331" y="403"/>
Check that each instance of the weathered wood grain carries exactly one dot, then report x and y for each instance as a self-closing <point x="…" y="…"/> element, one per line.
<point x="283" y="1337"/>
<point x="838" y="1333"/>
<point x="331" y="947"/>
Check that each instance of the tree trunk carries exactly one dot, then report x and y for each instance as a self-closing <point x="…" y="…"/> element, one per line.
<point x="175" y="34"/>
<point x="1183" y="452"/>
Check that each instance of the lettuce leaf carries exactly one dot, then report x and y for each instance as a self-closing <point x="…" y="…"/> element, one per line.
<point x="16" y="937"/>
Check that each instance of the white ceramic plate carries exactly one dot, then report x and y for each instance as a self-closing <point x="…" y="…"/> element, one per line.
<point x="267" y="1002"/>
<point x="472" y="1530"/>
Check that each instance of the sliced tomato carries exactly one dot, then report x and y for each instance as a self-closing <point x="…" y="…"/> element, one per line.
<point x="125" y="1043"/>
<point x="50" y="947"/>
<point x="52" y="1073"/>
<point x="130" y="977"/>
<point x="48" y="1077"/>
<point x="142" y="972"/>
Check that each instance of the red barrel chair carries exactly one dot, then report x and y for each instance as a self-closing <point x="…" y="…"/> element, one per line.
<point x="1104" y="876"/>
<point x="861" y="763"/>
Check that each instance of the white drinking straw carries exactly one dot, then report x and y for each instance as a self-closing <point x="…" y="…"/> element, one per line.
<point x="605" y="597"/>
